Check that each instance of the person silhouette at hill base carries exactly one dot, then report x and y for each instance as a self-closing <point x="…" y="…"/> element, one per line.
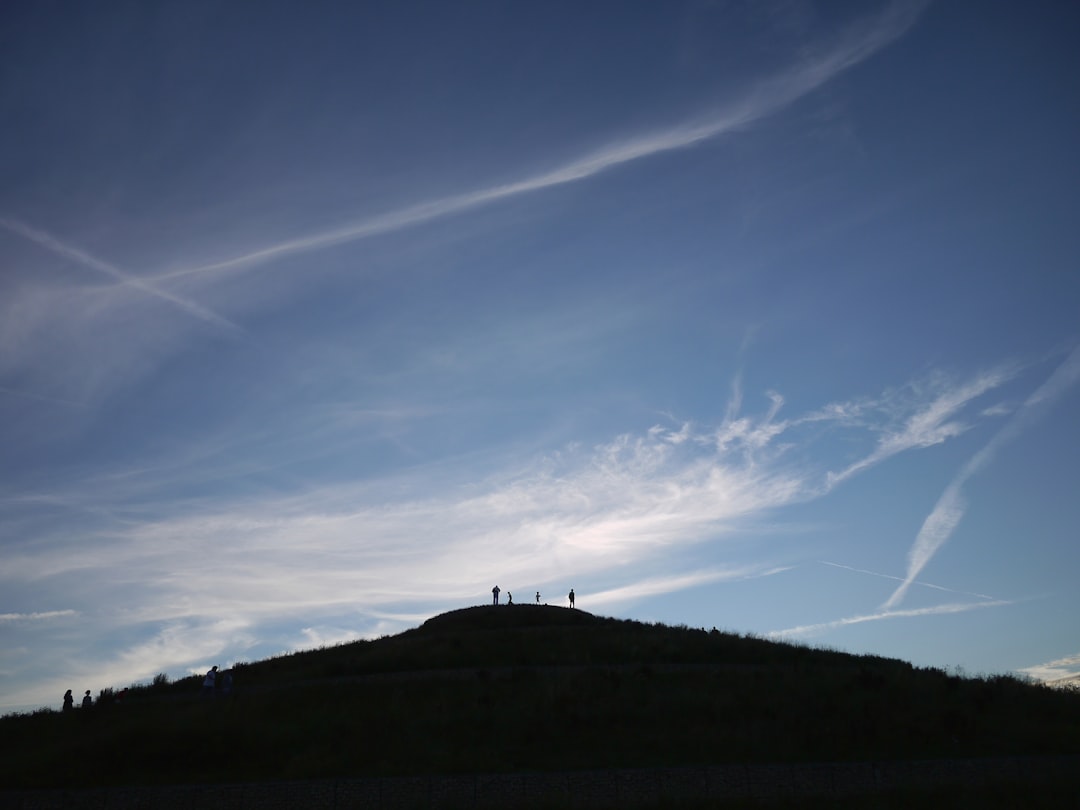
<point x="495" y="595"/>
<point x="209" y="682"/>
<point x="87" y="701"/>
<point x="69" y="701"/>
<point x="571" y="597"/>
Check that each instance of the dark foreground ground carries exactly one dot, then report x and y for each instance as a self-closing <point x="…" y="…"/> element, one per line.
<point x="986" y="783"/>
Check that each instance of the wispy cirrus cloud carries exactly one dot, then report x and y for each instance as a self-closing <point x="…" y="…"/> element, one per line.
<point x="935" y="610"/>
<point x="34" y="617"/>
<point x="819" y="65"/>
<point x="924" y="414"/>
<point x="930" y="425"/>
<point x="611" y="519"/>
<point x="667" y="485"/>
<point x="575" y="509"/>
<point x="949" y="510"/>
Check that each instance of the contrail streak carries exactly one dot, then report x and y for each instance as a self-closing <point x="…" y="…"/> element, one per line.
<point x="901" y="579"/>
<point x="51" y="243"/>
<point x="887" y="614"/>
<point x="949" y="510"/>
<point x="859" y="43"/>
<point x="40" y="397"/>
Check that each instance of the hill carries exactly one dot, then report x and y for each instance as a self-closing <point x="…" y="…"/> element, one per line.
<point x="535" y="688"/>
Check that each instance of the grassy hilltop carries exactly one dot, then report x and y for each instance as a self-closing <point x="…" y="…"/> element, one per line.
<point x="528" y="687"/>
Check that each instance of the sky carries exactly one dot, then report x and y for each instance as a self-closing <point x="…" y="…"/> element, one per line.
<point x="321" y="319"/>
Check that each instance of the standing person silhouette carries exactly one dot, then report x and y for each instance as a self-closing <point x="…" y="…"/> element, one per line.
<point x="538" y="597"/>
<point x="495" y="595"/>
<point x="571" y="597"/>
<point x="69" y="701"/>
<point x="87" y="701"/>
<point x="210" y="682"/>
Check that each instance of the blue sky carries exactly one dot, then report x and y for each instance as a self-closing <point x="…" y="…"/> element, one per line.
<point x="317" y="320"/>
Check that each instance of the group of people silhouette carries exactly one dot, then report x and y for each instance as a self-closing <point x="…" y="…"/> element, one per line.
<point x="106" y="698"/>
<point x="212" y="685"/>
<point x="510" y="597"/>
<point x="69" y="701"/>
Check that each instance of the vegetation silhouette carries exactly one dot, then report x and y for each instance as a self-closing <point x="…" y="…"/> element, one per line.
<point x="565" y="689"/>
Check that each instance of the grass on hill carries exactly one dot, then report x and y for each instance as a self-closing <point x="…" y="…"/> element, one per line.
<point x="528" y="687"/>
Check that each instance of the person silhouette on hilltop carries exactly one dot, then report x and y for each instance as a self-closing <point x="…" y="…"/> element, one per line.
<point x="538" y="597"/>
<point x="571" y="597"/>
<point x="69" y="701"/>
<point x="495" y="595"/>
<point x="87" y="701"/>
<point x="509" y="598"/>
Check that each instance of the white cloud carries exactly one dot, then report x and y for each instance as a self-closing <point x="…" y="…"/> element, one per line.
<point x="314" y="637"/>
<point x="619" y="502"/>
<point x="1059" y="669"/>
<point x="1000" y="409"/>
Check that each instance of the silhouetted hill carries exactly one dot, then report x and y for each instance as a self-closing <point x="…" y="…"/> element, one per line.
<point x="507" y="617"/>
<point x="536" y="688"/>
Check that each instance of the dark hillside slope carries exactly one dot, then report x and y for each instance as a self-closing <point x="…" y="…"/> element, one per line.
<point x="532" y="635"/>
<point x="515" y="617"/>
<point x="536" y="688"/>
